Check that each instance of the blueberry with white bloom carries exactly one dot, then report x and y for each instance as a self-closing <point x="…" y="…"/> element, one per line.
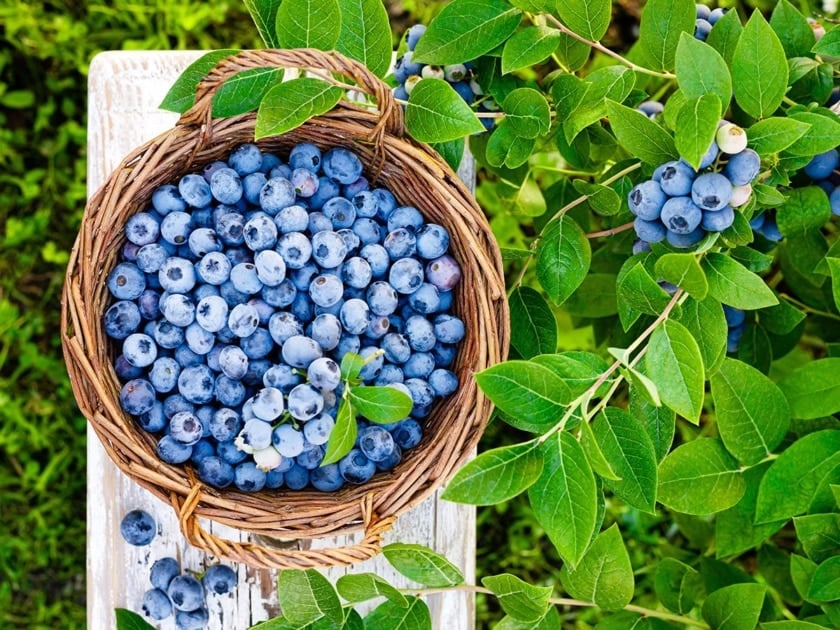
<point x="211" y="313"/>
<point x="185" y="427"/>
<point x="823" y="164"/>
<point x="171" y="451"/>
<point x="407" y="434"/>
<point x="710" y="191"/>
<point x="139" y="350"/>
<point x="252" y="185"/>
<point x="317" y="430"/>
<point x="195" y="190"/>
<point x="342" y="165"/>
<point x="186" y="593"/>
<point x="260" y="232"/>
<point x="681" y="215"/>
<point x="219" y="579"/>
<point x="295" y="248"/>
<point x="270" y="267"/>
<point x="267" y="458"/>
<point x="138" y="528"/>
<point x="649" y="231"/>
<point x="299" y="351"/>
<point x="326" y="290"/>
<point x="743" y="167"/>
<point x="405" y="217"/>
<point x="718" y="221"/>
<point x="126" y="281"/>
<point x="276" y="194"/>
<point x="682" y="240"/>
<point x="214" y="268"/>
<point x="255" y="435"/>
<point x="676" y="178"/>
<point x="164" y="374"/>
<point x="443" y="272"/>
<point x="226" y="186"/>
<point x="121" y="319"/>
<point x="443" y="382"/>
<point x="268" y="404"/>
<point x="225" y="424"/>
<point x="284" y="325"/>
<point x="354" y="316"/>
<point x="328" y="249"/>
<point x="305" y="402"/>
<point x="246" y="158"/>
<point x="356" y="468"/>
<point x="177" y="275"/>
<point x="142" y="229"/>
<point x="178" y="309"/>
<point x="305" y="155"/>
<point x="243" y="320"/>
<point x="287" y="440"/>
<point x="646" y="200"/>
<point x="163" y="571"/>
<point x="230" y="228"/>
<point x="166" y="199"/>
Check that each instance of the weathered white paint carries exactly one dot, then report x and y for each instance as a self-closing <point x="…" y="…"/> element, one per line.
<point x="124" y="91"/>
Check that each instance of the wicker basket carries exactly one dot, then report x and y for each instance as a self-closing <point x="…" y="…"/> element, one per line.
<point x="417" y="176"/>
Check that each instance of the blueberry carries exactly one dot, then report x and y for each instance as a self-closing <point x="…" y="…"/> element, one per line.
<point x="229" y="454"/>
<point x="248" y="478"/>
<point x="214" y="268"/>
<point x="391" y="461"/>
<point x="164" y="374"/>
<point x="311" y="457"/>
<point x="150" y="258"/>
<point x="274" y="478"/>
<point x="342" y="165"/>
<point x="324" y="373"/>
<point x="317" y="430"/>
<point x="292" y="219"/>
<point x="302" y="307"/>
<point x="822" y="165"/>
<point x="327" y="189"/>
<point x="413" y="35"/>
<point x="139" y="350"/>
<point x="734" y="316"/>
<point x="284" y="325"/>
<point x="280" y="296"/>
<point x="743" y="167"/>
<point x="138" y="528"/>
<point x="270" y="267"/>
<point x="326" y="331"/>
<point x="230" y="228"/>
<point x="186" y="593"/>
<point x="304" y="276"/>
<point x="281" y="171"/>
<point x="456" y="73"/>
<point x="326" y="290"/>
<point x="176" y="403"/>
<point x="444" y="354"/>
<point x="288" y="441"/>
<point x="225" y="424"/>
<point x="834" y="200"/>
<point x="169" y="336"/>
<point x="448" y="328"/>
<point x="177" y="275"/>
<point x="376" y="443"/>
<point x="396" y="347"/>
<point x="192" y="620"/>
<point x="326" y="478"/>
<point x="219" y="579"/>
<point x="354" y="316"/>
<point x="443" y="272"/>
<point x="244" y="278"/>
<point x="196" y="384"/>
<point x="148" y="304"/>
<point x="252" y="185"/>
<point x="682" y="240"/>
<point x="731" y="138"/>
<point x="121" y="319"/>
<point x="163" y="571"/>
<point x="649" y="231"/>
<point x="646" y="200"/>
<point x="299" y="351"/>
<point x="650" y="108"/>
<point x="246" y="158"/>
<point x="268" y="404"/>
<point x="154" y="419"/>
<point x="231" y="392"/>
<point x="420" y="333"/>
<point x="185" y="427"/>
<point x="166" y="199"/>
<point x="177" y="309"/>
<point x="295" y="248"/>
<point x="296" y="478"/>
<point x="382" y="296"/>
<point x="226" y="186"/>
<point x="355" y="467"/>
<point x="211" y="313"/>
<point x="260" y="232"/>
<point x="702" y="28"/>
<point x="259" y="345"/>
<point x="328" y="249"/>
<point x="407" y="434"/>
<point x="710" y="155"/>
<point x="126" y="281"/>
<point x="443" y="382"/>
<point x="681" y="215"/>
<point x="718" y="221"/>
<point x="195" y="190"/>
<point x="710" y="191"/>
<point x="432" y="241"/>
<point x="676" y="178"/>
<point x="740" y="195"/>
<point x="156" y="604"/>
<point x="377" y="257"/>
<point x="243" y="320"/>
<point x="419" y="365"/>
<point x="405" y="217"/>
<point x="305" y="402"/>
<point x="142" y="229"/>
<point x="276" y="194"/>
<point x="715" y="15"/>
<point x="305" y="155"/>
<point x="212" y="167"/>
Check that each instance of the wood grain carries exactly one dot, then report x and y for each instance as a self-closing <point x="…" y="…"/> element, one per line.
<point x="124" y="91"/>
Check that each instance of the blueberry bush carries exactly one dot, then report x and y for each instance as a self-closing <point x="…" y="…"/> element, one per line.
<point x="666" y="420"/>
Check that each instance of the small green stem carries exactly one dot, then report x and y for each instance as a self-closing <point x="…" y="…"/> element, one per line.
<point x="611" y="231"/>
<point x="606" y="182"/>
<point x="603" y="49"/>
<point x="559" y="601"/>
<point x="521" y="276"/>
<point x="808" y="309"/>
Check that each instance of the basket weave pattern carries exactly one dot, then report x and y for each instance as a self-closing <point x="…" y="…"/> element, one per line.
<point x="417" y="176"/>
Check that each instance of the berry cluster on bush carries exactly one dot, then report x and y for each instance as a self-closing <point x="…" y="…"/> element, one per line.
<point x="706" y="19"/>
<point x="461" y="76"/>
<point x="681" y="205"/>
<point x="241" y="289"/>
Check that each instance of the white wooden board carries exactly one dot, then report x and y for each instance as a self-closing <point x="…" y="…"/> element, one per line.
<point x="124" y="91"/>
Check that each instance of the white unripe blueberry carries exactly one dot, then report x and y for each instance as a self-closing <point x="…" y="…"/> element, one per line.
<point x="731" y="138"/>
<point x="740" y="195"/>
<point x="410" y="82"/>
<point x="267" y="458"/>
<point x="432" y="72"/>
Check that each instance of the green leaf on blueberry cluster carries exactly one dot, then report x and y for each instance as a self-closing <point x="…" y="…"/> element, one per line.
<point x="641" y="136"/>
<point x="380" y="404"/>
<point x="343" y="435"/>
<point x="759" y="69"/>
<point x="361" y="587"/>
<point x="587" y="18"/>
<point x="391" y="615"/>
<point x="663" y="21"/>
<point x="288" y="105"/>
<point x="528" y="47"/>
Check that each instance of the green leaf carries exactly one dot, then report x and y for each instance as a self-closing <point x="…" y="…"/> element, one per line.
<point x="520" y="600"/>
<point x="733" y="284"/>
<point x="697" y="124"/>
<point x="819" y="535"/>
<point x="392" y="616"/>
<point x="305" y="596"/>
<point x="613" y="83"/>
<point x="822" y="136"/>
<point x="594" y="455"/>
<point x="343" y="435"/>
<point x="526" y="390"/>
<point x="706" y="322"/>
<point x="588" y="18"/>
<point x="675" y="364"/>
<point x="594" y="298"/>
<point x="466" y="29"/>
<point x="181" y="95"/>
<point x="637" y="293"/>
<point x="793" y="479"/>
<point x="804" y="210"/>
<point x="641" y="136"/>
<point x="684" y="271"/>
<point x="563" y="257"/>
<point x="529" y="47"/>
<point x="351" y="366"/>
<point x="565" y="497"/>
<point x="678" y="586"/>
<point x="365" y="34"/>
<point x="829" y="44"/>
<point x="759" y="69"/>
<point x="801" y="571"/>
<point x="129" y="620"/>
<point x="549" y="621"/>
<point x="834" y="270"/>
<point x="361" y="587"/>
<point x="288" y="105"/>
<point x="702" y="71"/>
<point x="579" y="370"/>
<point x="813" y="390"/>
<point x="752" y="413"/>
<point x="572" y="53"/>
<point x="244" y="91"/>
<point x="700" y="477"/>
<point x="602" y="199"/>
<point x="381" y="404"/>
<point x="658" y="422"/>
<point x="496" y="475"/>
<point x="775" y="134"/>
<point x="659" y="32"/>
<point x="507" y="148"/>
<point x="533" y="327"/>
<point x="793" y="30"/>
<point x="568" y="92"/>
<point x="604" y="575"/>
<point x="452" y="152"/>
<point x="527" y="112"/>
<point x="780" y="319"/>
<point x="734" y="607"/>
<point x="264" y="14"/>
<point x="825" y="584"/>
<point x="436" y="113"/>
<point x="735" y="528"/>
<point x="630" y="454"/>
<point x="725" y="36"/>
<point x="422" y="565"/>
<point x="792" y="624"/>
<point x="308" y="24"/>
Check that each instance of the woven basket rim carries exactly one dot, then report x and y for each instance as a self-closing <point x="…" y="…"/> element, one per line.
<point x="393" y="160"/>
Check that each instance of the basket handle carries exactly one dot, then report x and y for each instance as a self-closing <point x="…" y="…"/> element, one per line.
<point x="391" y="115"/>
<point x="260" y="556"/>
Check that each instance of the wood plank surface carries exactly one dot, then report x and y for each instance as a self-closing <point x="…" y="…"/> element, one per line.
<point x="124" y="91"/>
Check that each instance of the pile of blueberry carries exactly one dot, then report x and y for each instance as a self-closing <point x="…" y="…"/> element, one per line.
<point x="680" y="204"/>
<point x="706" y="19"/>
<point x="461" y="76"/>
<point x="240" y="290"/>
<point x="172" y="590"/>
